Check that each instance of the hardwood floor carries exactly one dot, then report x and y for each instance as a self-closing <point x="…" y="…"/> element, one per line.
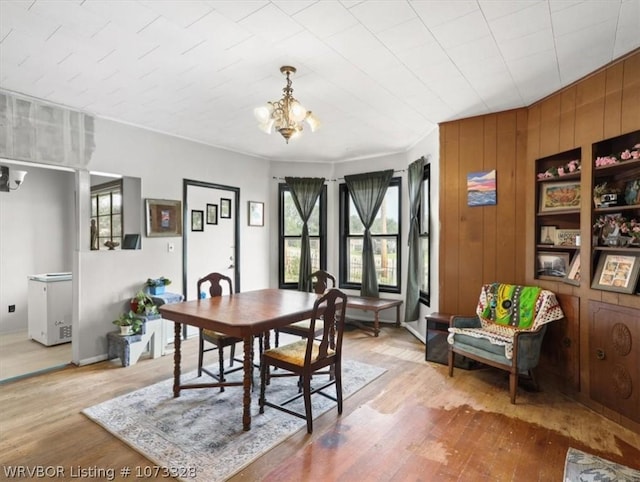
<point x="413" y="423"/>
<point x="19" y="355"/>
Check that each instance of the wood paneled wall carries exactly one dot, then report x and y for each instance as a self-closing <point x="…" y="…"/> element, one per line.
<point x="481" y="244"/>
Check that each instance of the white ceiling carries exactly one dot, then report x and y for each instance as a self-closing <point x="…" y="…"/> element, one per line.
<point x="380" y="75"/>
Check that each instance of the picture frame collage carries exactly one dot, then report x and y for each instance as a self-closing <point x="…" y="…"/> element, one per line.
<point x="213" y="213"/>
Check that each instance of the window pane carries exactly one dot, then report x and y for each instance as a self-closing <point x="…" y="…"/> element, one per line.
<point x="94" y="206"/>
<point x="116" y="200"/>
<point x="385" y="252"/>
<point x="104" y="204"/>
<point x="104" y="227"/>
<point x="292" y="248"/>
<point x="386" y="221"/>
<point x="424" y="207"/>
<point x="293" y="221"/>
<point x="354" y="260"/>
<point x="116" y="221"/>
<point x="424" y="271"/>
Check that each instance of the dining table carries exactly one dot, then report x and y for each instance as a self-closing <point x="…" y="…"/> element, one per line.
<point x="243" y="315"/>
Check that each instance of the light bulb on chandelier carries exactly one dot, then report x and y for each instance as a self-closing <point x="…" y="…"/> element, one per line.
<point x="287" y="114"/>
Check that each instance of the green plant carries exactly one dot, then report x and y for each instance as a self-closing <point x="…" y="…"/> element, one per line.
<point x="129" y="319"/>
<point x="142" y="303"/>
<point x="162" y="281"/>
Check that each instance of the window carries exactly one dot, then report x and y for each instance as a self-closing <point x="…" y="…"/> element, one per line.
<point x="386" y="240"/>
<point x="291" y="237"/>
<point x="106" y="213"/>
<point x="425" y="244"/>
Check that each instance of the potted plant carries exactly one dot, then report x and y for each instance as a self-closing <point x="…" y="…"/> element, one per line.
<point x="156" y="285"/>
<point x="143" y="304"/>
<point x="129" y="323"/>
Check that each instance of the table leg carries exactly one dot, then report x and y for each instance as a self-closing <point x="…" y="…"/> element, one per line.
<point x="376" y="323"/>
<point x="176" y="359"/>
<point x="398" y="316"/>
<point x="248" y="369"/>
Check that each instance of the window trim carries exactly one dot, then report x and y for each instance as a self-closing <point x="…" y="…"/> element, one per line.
<point x="282" y="188"/>
<point x="425" y="296"/>
<point x="344" y="236"/>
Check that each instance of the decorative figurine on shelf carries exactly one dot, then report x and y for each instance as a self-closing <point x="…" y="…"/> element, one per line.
<point x="94" y="235"/>
<point x="111" y="245"/>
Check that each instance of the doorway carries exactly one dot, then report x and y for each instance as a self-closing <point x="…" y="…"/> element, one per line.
<point x="211" y="235"/>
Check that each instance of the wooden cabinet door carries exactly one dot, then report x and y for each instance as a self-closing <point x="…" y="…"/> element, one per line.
<point x="560" y="353"/>
<point x="614" y="357"/>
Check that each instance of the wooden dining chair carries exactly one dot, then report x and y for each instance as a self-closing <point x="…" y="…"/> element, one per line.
<point x="320" y="281"/>
<point x="310" y="356"/>
<point x="219" y="340"/>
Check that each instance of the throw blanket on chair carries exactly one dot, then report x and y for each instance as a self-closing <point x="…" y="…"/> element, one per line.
<point x="504" y="309"/>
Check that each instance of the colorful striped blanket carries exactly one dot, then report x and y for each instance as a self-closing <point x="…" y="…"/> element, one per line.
<point x="504" y="309"/>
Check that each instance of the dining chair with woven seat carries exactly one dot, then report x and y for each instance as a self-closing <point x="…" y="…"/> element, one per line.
<point x="310" y="356"/>
<point x="219" y="340"/>
<point x="320" y="281"/>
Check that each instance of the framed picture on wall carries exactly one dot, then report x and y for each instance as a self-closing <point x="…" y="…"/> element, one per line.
<point x="197" y="220"/>
<point x="212" y="214"/>
<point x="617" y="271"/>
<point x="164" y="217"/>
<point x="225" y="208"/>
<point x="256" y="213"/>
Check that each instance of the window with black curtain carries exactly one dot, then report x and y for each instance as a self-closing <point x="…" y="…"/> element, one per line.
<point x="291" y="237"/>
<point x="385" y="232"/>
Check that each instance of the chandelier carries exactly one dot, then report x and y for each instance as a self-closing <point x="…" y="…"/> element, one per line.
<point x="287" y="114"/>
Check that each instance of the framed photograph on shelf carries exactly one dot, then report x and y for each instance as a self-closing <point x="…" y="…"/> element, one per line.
<point x="197" y="220"/>
<point x="548" y="234"/>
<point x="573" y="275"/>
<point x="256" y="213"/>
<point x="163" y="217"/>
<point x="566" y="237"/>
<point x="617" y="271"/>
<point x="554" y="265"/>
<point x="559" y="196"/>
<point x="225" y="208"/>
<point x="212" y="214"/>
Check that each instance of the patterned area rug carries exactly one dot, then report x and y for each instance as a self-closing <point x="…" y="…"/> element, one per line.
<point x="583" y="467"/>
<point x="200" y="433"/>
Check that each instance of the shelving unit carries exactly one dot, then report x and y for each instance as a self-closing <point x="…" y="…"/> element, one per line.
<point x="624" y="176"/>
<point x="558" y="213"/>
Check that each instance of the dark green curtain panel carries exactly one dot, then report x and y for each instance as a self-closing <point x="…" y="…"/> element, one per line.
<point x="305" y="192"/>
<point x="367" y="191"/>
<point x="412" y="305"/>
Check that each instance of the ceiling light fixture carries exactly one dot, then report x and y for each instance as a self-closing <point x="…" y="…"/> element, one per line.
<point x="11" y="180"/>
<point x="287" y="114"/>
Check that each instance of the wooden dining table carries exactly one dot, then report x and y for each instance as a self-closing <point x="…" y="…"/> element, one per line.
<point x="242" y="315"/>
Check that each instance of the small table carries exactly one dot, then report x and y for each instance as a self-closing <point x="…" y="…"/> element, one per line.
<point x="373" y="304"/>
<point x="439" y="323"/>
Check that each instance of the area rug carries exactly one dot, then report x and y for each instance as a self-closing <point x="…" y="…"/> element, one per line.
<point x="583" y="467"/>
<point x="200" y="433"/>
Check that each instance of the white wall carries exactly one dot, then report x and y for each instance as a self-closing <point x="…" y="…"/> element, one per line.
<point x="36" y="236"/>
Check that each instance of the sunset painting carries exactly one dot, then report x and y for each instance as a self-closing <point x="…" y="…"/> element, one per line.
<point x="481" y="188"/>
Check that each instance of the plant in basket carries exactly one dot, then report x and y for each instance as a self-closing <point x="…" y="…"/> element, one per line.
<point x="156" y="285"/>
<point x="142" y="304"/>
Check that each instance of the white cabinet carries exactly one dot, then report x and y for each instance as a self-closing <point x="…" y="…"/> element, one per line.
<point x="50" y="308"/>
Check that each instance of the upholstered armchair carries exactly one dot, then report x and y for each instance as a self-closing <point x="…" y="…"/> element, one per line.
<point x="507" y="330"/>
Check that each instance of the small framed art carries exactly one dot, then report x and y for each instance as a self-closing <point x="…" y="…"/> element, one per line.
<point x="573" y="275"/>
<point x="548" y="235"/>
<point x="164" y="217"/>
<point x="212" y="214"/>
<point x="558" y="196"/>
<point x="550" y="264"/>
<point x="617" y="271"/>
<point x="256" y="213"/>
<point x="197" y="220"/>
<point x="225" y="208"/>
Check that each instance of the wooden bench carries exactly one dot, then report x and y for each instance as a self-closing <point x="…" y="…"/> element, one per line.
<point x="372" y="304"/>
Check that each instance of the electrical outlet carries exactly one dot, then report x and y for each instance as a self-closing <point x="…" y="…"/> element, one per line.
<point x="12" y="308"/>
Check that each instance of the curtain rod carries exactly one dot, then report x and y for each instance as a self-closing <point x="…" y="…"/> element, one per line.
<point x="340" y="178"/>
